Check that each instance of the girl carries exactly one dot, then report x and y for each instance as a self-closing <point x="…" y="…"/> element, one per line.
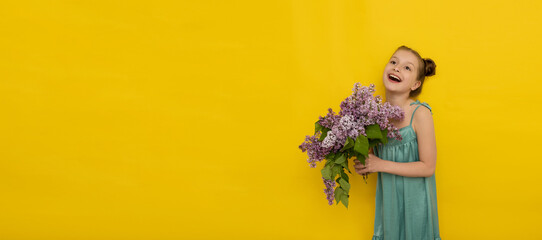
<point x="406" y="197"/>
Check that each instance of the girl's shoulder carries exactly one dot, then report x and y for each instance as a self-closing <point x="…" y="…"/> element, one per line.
<point x="425" y="104"/>
<point x="423" y="116"/>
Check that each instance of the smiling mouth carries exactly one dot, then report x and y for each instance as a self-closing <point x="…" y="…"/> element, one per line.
<point x="393" y="78"/>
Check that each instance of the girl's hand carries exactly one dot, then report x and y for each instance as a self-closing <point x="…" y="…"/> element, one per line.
<point x="372" y="164"/>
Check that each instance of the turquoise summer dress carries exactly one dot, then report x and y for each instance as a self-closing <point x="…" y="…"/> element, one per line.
<point x="405" y="207"/>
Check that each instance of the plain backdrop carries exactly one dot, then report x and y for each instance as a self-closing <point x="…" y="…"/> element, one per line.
<point x="182" y="119"/>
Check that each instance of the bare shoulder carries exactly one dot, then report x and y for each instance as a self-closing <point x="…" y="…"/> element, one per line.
<point x="423" y="120"/>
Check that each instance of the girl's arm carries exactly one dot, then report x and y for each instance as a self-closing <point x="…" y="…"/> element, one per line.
<point x="427" y="150"/>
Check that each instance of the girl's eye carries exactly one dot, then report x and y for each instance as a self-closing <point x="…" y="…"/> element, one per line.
<point x="408" y="68"/>
<point x="392" y="62"/>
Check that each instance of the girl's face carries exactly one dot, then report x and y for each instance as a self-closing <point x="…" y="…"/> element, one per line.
<point x="403" y="65"/>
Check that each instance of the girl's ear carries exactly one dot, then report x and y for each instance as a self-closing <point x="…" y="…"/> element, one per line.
<point x="416" y="85"/>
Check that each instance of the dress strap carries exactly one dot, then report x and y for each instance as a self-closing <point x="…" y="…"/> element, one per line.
<point x="419" y="104"/>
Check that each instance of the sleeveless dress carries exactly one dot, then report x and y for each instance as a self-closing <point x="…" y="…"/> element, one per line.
<point x="405" y="207"/>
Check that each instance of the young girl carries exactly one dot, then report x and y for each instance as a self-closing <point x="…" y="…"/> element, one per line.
<point x="406" y="196"/>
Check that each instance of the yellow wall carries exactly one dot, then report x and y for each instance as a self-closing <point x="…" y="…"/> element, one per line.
<point x="182" y="119"/>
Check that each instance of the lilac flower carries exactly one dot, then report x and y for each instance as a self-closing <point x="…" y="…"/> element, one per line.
<point x="358" y="111"/>
<point x="314" y="149"/>
<point x="330" y="184"/>
<point x="329" y="141"/>
<point x="330" y="119"/>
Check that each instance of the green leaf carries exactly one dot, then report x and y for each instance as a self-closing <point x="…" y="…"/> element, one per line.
<point x="330" y="156"/>
<point x="328" y="162"/>
<point x="362" y="145"/>
<point x="344" y="185"/>
<point x="374" y="142"/>
<point x="340" y="159"/>
<point x="326" y="172"/>
<point x="373" y="131"/>
<point x="324" y="134"/>
<point x="338" y="194"/>
<point x="345" y="176"/>
<point x="344" y="199"/>
<point x="349" y="143"/>
<point x="361" y="158"/>
<point x="335" y="170"/>
<point x="385" y="136"/>
<point x="345" y="165"/>
<point x="317" y="126"/>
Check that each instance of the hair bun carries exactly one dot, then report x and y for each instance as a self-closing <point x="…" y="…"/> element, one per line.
<point x="429" y="67"/>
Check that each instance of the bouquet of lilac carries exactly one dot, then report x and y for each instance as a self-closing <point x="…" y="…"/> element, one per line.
<point x="362" y="123"/>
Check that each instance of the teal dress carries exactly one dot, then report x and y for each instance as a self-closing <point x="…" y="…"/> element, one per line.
<point x="405" y="207"/>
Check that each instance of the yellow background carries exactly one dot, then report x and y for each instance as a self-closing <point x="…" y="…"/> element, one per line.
<point x="182" y="119"/>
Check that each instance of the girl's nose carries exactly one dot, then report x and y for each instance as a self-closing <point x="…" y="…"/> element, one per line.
<point x="396" y="69"/>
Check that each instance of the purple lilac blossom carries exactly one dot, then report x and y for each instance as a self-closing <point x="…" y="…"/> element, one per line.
<point x="329" y="140"/>
<point x="314" y="149"/>
<point x="358" y="110"/>
<point x="330" y="184"/>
